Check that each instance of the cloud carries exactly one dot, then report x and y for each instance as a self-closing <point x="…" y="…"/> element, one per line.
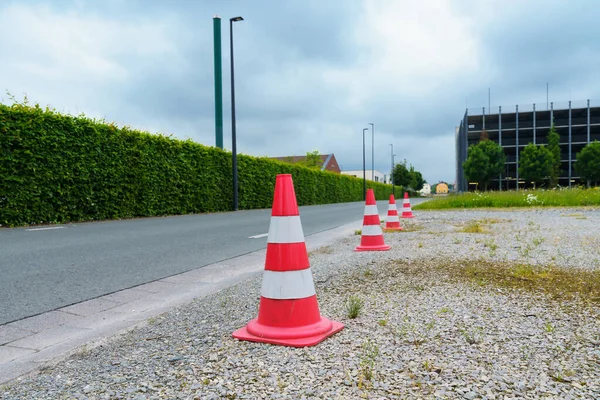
<point x="309" y="74"/>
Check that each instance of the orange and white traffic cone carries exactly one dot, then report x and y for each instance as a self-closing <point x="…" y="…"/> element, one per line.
<point x="406" y="210"/>
<point x="372" y="235"/>
<point x="392" y="222"/>
<point x="288" y="311"/>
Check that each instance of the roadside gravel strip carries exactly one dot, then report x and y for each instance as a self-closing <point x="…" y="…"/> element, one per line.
<point x="422" y="332"/>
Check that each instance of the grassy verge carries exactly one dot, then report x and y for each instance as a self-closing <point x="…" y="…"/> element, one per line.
<point x="523" y="198"/>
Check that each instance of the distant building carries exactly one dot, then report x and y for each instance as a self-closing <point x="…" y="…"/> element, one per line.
<point x="329" y="161"/>
<point x="379" y="177"/>
<point x="426" y="189"/>
<point x="577" y="124"/>
<point x="441" y="188"/>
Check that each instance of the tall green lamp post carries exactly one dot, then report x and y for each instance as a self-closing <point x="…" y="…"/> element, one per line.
<point x="218" y="82"/>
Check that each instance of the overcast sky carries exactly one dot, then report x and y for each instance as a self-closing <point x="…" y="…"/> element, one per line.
<point x="310" y="74"/>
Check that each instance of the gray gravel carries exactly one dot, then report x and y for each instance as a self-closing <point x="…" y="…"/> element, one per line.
<point x="420" y="333"/>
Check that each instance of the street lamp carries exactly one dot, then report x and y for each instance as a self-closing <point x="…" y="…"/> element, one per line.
<point x="372" y="150"/>
<point x="392" y="174"/>
<point x="364" y="171"/>
<point x="233" y="138"/>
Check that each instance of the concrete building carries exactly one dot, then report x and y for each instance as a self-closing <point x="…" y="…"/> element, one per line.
<point x="378" y="176"/>
<point x="577" y="125"/>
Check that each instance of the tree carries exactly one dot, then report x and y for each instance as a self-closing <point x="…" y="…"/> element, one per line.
<point x="416" y="179"/>
<point x="313" y="160"/>
<point x="485" y="160"/>
<point x="407" y="177"/>
<point x="535" y="163"/>
<point x="554" y="148"/>
<point x="401" y="175"/>
<point x="588" y="163"/>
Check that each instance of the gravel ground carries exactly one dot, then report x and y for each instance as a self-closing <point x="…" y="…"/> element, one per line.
<point x="421" y="333"/>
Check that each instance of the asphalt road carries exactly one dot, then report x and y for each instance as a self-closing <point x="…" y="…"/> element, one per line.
<point x="45" y="268"/>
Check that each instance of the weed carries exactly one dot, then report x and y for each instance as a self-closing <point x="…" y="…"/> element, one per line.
<point x="562" y="376"/>
<point x="491" y="244"/>
<point x="382" y="322"/>
<point x="444" y="310"/>
<point x="525" y="250"/>
<point x="473" y="227"/>
<point x="457" y="240"/>
<point x="472" y="335"/>
<point x="538" y="240"/>
<point x="353" y="306"/>
<point x="369" y="354"/>
<point x="426" y="365"/>
<point x="413" y="333"/>
<point x="368" y="273"/>
<point x="548" y="327"/>
<point x="420" y="245"/>
<point x="358" y="232"/>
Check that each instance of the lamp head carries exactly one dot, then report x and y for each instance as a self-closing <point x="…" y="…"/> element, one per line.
<point x="235" y="19"/>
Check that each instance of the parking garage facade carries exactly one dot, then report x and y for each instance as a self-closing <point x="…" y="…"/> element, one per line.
<point x="515" y="128"/>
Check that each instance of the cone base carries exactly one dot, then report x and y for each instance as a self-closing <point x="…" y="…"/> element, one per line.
<point x="381" y="247"/>
<point x="407" y="216"/>
<point x="286" y="336"/>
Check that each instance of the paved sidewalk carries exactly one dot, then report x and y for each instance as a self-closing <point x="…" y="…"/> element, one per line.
<point x="29" y="344"/>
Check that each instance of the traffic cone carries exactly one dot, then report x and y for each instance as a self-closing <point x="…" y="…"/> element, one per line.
<point x="372" y="235"/>
<point x="392" y="222"/>
<point x="406" y="210"/>
<point x="288" y="311"/>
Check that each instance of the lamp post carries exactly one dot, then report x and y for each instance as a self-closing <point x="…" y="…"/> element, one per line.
<point x="392" y="174"/>
<point x="218" y="82"/>
<point x="364" y="170"/>
<point x="372" y="150"/>
<point x="233" y="138"/>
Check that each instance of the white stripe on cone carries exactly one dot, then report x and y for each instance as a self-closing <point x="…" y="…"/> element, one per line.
<point x="281" y="285"/>
<point x="392" y="207"/>
<point x="392" y="218"/>
<point x="371" y="230"/>
<point x="285" y="230"/>
<point x="371" y="210"/>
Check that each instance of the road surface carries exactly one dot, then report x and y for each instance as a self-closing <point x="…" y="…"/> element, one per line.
<point x="47" y="267"/>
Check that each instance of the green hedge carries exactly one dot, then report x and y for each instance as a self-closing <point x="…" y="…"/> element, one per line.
<point x="58" y="168"/>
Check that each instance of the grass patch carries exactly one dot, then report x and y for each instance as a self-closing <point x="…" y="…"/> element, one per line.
<point x="473" y="227"/>
<point x="561" y="283"/>
<point x="521" y="198"/>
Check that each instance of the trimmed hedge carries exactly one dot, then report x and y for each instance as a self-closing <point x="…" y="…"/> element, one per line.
<point x="58" y="168"/>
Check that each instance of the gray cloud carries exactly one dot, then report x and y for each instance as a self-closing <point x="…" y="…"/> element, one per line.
<point x="309" y="74"/>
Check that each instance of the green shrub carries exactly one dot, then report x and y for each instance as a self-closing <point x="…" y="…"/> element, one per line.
<point x="58" y="168"/>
